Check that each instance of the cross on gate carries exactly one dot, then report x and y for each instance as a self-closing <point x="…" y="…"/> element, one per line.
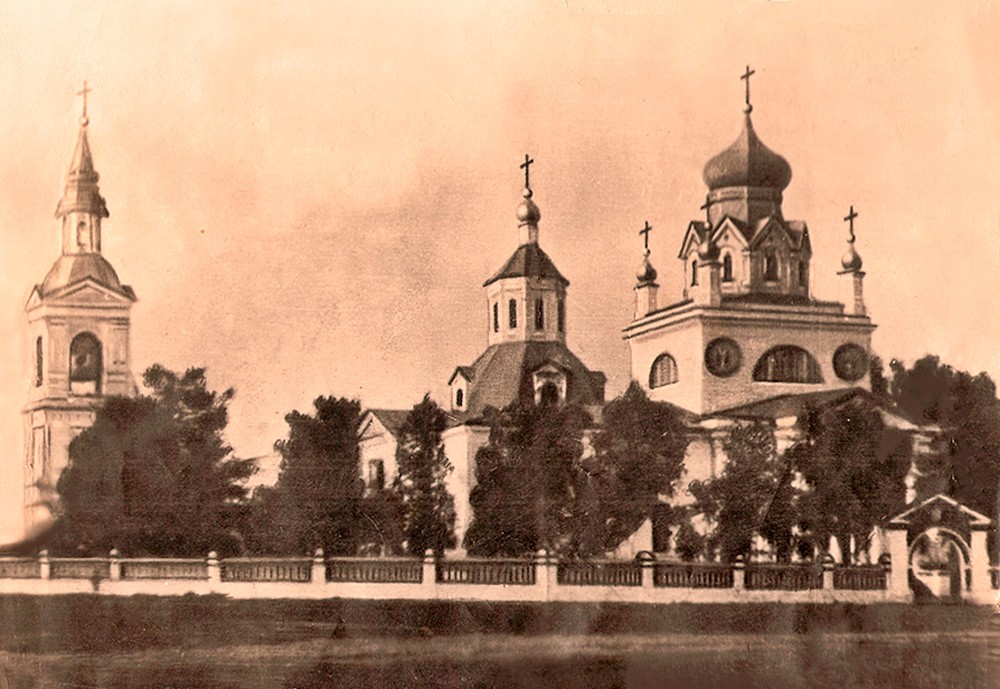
<point x="526" y="166"/>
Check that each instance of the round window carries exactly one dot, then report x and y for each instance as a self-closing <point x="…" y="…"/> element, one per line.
<point x="850" y="362"/>
<point x="723" y="357"/>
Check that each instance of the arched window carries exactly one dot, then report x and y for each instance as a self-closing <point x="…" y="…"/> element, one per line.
<point x="85" y="365"/>
<point x="539" y="314"/>
<point x="38" y="362"/>
<point x="663" y="372"/>
<point x="496" y="317"/>
<point x="770" y="267"/>
<point x="459" y="398"/>
<point x="727" y="268"/>
<point x="694" y="273"/>
<point x="83" y="236"/>
<point x="561" y="315"/>
<point x="512" y="313"/>
<point x="787" y="364"/>
<point x="549" y="395"/>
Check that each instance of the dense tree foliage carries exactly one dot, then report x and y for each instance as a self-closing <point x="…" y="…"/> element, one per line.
<point x="530" y="483"/>
<point x="317" y="501"/>
<point x="153" y="474"/>
<point x="638" y="458"/>
<point x="738" y="501"/>
<point x="855" y="468"/>
<point x="968" y="411"/>
<point x="427" y="508"/>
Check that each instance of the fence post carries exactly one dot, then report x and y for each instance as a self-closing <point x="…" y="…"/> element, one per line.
<point x="828" y="565"/>
<point x="214" y="571"/>
<point x="429" y="574"/>
<point x="44" y="566"/>
<point x="647" y="561"/>
<point x="739" y="574"/>
<point x="318" y="573"/>
<point x="114" y="565"/>
<point x="546" y="579"/>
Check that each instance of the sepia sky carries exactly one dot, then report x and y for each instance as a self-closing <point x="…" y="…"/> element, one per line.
<point x="307" y="197"/>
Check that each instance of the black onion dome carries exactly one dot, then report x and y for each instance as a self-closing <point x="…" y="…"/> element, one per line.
<point x="747" y="163"/>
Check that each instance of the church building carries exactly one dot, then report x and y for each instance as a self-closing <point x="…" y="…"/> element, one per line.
<point x="78" y="330"/>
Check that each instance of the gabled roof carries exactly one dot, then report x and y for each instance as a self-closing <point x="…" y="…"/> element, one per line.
<point x="466" y="372"/>
<point x="391" y="419"/>
<point x="695" y="233"/>
<point x="975" y="518"/>
<point x="529" y="260"/>
<point x="795" y="404"/>
<point x="502" y="376"/>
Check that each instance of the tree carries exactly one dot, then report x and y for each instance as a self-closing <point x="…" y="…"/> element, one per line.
<point x="638" y="457"/>
<point x="855" y="469"/>
<point x="530" y="484"/>
<point x="740" y="499"/>
<point x="428" y="510"/>
<point x="153" y="474"/>
<point x="318" y="498"/>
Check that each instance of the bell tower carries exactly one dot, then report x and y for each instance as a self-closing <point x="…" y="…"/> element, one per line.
<point x="78" y="330"/>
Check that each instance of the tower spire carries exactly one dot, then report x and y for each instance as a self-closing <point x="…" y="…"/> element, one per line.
<point x="528" y="214"/>
<point x="82" y="207"/>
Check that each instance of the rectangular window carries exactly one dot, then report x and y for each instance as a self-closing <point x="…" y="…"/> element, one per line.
<point x="512" y="313"/>
<point x="561" y="315"/>
<point x="802" y="273"/>
<point x="539" y="314"/>
<point x="38" y="362"/>
<point x="496" y="317"/>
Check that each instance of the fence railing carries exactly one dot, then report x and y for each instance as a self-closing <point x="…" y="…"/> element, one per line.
<point x="599" y="574"/>
<point x="381" y="571"/>
<point x="257" y="570"/>
<point x="487" y="572"/>
<point x="768" y="577"/>
<point x="80" y="568"/>
<point x="544" y="572"/>
<point x="691" y="576"/>
<point x="859" y="578"/>
<point x="19" y="568"/>
<point x="157" y="568"/>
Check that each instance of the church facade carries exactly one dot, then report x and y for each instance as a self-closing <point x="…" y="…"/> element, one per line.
<point x="747" y="342"/>
<point x="78" y="330"/>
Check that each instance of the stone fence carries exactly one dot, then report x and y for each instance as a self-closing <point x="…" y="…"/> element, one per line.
<point x="541" y="578"/>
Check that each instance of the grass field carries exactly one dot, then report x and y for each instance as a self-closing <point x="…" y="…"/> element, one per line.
<point x="211" y="643"/>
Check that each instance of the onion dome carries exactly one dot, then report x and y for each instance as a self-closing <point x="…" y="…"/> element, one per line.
<point x="527" y="211"/>
<point x="707" y="251"/>
<point x="851" y="260"/>
<point x="747" y="163"/>
<point x="647" y="273"/>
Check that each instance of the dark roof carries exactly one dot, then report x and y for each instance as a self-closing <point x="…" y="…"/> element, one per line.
<point x="72" y="268"/>
<point x="466" y="371"/>
<point x="502" y="375"/>
<point x="392" y="419"/>
<point x="528" y="261"/>
<point x="778" y="299"/>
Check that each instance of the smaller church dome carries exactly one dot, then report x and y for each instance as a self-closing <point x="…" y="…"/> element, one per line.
<point x="747" y="163"/>
<point x="707" y="251"/>
<point x="71" y="268"/>
<point x="851" y="261"/>
<point x="527" y="211"/>
<point x="647" y="273"/>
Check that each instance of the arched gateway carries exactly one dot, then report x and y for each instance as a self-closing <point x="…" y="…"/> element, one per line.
<point x="943" y="544"/>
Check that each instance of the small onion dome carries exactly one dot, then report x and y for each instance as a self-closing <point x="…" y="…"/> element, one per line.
<point x="851" y="261"/>
<point x="747" y="163"/>
<point x="527" y="211"/>
<point x="647" y="273"/>
<point x="707" y="251"/>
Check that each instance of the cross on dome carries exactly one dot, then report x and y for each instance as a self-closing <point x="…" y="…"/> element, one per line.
<point x="645" y="236"/>
<point x="526" y="166"/>
<point x="850" y="219"/>
<point x="746" y="77"/>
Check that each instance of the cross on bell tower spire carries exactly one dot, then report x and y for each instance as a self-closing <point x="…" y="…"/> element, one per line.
<point x="746" y="78"/>
<point x="83" y="92"/>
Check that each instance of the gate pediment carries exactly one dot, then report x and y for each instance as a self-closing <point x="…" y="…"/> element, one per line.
<point x="940" y="511"/>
